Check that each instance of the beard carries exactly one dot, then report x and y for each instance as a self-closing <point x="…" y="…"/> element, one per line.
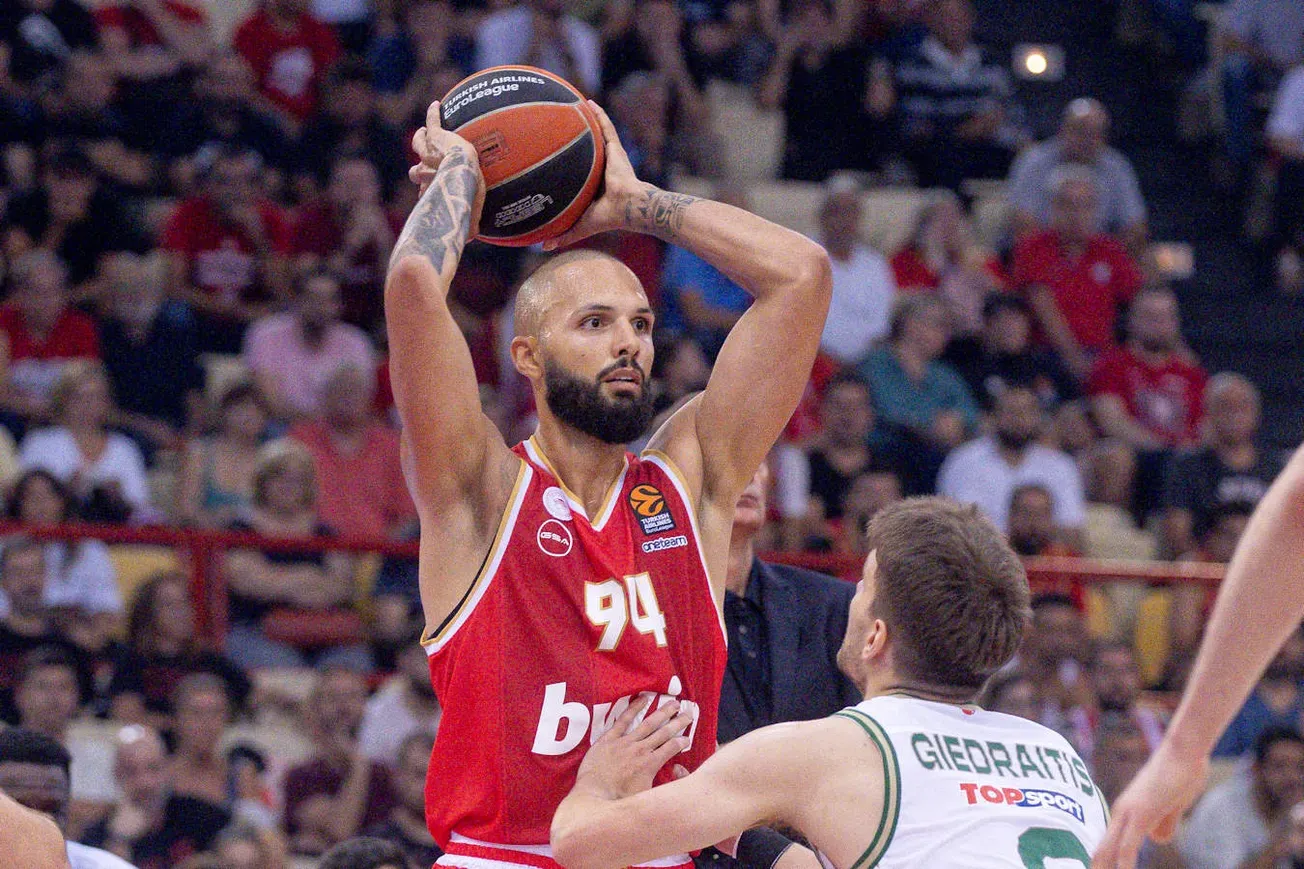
<point x="1014" y="440"/>
<point x="580" y="404"/>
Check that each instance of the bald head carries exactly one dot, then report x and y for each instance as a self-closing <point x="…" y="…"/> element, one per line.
<point x="1084" y="130"/>
<point x="566" y="277"/>
<point x="140" y="766"/>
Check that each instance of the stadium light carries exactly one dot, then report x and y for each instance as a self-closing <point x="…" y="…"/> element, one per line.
<point x="1039" y="62"/>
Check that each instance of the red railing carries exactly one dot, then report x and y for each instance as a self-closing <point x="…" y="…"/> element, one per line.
<point x="1040" y="569"/>
<point x="200" y="551"/>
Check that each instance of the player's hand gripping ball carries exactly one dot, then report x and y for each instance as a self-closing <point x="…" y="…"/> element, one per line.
<point x="540" y="146"/>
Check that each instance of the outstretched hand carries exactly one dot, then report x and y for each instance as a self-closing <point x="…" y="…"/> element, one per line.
<point x="433" y="145"/>
<point x="1151" y="806"/>
<point x="627" y="757"/>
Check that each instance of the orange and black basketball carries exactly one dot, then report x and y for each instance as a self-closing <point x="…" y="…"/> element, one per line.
<point x="540" y="149"/>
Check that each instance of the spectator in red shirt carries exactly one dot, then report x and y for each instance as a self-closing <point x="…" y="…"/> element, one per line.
<point x="39" y="335"/>
<point x="228" y="247"/>
<point x="148" y="41"/>
<point x="1076" y="277"/>
<point x="357" y="459"/>
<point x="289" y="51"/>
<point x="943" y="257"/>
<point x="1150" y="392"/>
<point x="349" y="232"/>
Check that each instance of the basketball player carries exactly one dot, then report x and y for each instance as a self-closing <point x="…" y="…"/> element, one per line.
<point x="1260" y="603"/>
<point x="563" y="578"/>
<point x="915" y="776"/>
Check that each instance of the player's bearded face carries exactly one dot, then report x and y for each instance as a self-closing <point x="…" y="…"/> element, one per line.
<point x="581" y="403"/>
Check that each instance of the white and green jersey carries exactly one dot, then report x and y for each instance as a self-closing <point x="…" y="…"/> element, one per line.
<point x="970" y="788"/>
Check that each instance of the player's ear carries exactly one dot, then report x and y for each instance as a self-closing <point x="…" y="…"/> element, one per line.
<point x="525" y="356"/>
<point x="875" y="641"/>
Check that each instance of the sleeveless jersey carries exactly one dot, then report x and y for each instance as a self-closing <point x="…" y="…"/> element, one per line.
<point x="970" y="788"/>
<point x="568" y="621"/>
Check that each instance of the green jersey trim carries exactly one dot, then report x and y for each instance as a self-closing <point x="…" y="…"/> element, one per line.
<point x="1104" y="804"/>
<point x="891" y="789"/>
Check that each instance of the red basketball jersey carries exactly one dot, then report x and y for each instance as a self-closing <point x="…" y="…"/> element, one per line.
<point x="569" y="620"/>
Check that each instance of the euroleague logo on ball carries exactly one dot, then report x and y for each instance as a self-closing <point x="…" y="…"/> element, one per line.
<point x="649" y="505"/>
<point x="555" y="539"/>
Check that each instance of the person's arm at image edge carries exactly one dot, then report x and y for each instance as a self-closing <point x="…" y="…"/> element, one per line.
<point x="1261" y="601"/>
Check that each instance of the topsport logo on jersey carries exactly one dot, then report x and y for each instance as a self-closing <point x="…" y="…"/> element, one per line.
<point x="649" y="506"/>
<point x="554" y="539"/>
<point x="1026" y="798"/>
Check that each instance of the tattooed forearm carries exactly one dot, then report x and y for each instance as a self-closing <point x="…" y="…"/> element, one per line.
<point x="657" y="212"/>
<point x="439" y="225"/>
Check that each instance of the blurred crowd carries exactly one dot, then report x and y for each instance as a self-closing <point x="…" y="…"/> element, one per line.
<point x="195" y="220"/>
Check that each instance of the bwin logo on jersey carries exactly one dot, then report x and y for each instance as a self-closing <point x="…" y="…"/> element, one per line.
<point x="1026" y="798"/>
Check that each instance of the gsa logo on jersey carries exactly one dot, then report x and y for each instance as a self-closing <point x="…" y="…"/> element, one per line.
<point x="1027" y="798"/>
<point x="649" y="505"/>
<point x="554" y="539"/>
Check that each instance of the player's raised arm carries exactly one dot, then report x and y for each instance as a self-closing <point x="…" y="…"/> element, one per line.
<point x="765" y="363"/>
<point x="446" y="436"/>
<point x="1260" y="603"/>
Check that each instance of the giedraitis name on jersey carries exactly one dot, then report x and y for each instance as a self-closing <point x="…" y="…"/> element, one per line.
<point x="938" y="751"/>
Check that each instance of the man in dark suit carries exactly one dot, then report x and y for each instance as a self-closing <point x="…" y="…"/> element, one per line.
<point x="785" y="625"/>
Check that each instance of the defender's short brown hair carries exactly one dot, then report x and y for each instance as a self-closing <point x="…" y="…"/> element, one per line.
<point x="951" y="590"/>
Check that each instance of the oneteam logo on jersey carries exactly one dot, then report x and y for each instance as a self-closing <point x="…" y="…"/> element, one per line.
<point x="649" y="506"/>
<point x="554" y="538"/>
<point x="660" y="543"/>
<point x="1025" y="797"/>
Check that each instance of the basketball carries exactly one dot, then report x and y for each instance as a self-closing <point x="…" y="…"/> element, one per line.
<point x="540" y="150"/>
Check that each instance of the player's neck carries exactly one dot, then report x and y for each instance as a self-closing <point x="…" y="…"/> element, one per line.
<point x="888" y="683"/>
<point x="585" y="465"/>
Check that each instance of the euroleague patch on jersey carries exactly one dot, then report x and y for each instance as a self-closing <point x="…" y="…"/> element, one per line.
<point x="554" y="538"/>
<point x="649" y="505"/>
<point x="1025" y="797"/>
<point x="650" y="546"/>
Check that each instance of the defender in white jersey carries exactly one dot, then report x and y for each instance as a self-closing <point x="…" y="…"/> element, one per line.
<point x="915" y="776"/>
